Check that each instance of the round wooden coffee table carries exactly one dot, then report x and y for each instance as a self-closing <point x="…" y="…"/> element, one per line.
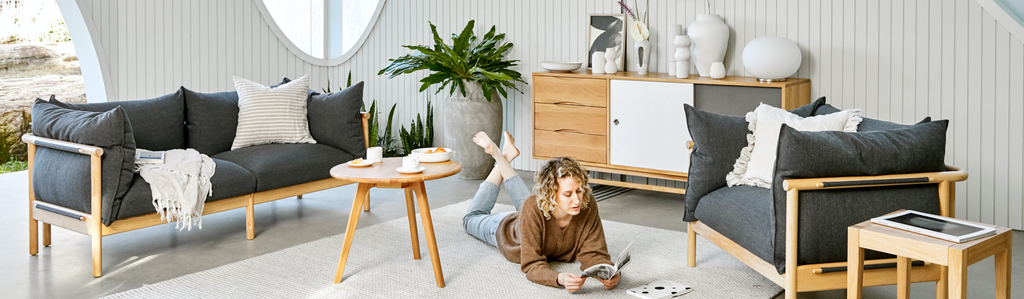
<point x="384" y="175"/>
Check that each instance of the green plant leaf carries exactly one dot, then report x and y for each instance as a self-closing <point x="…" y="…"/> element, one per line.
<point x="349" y="80"/>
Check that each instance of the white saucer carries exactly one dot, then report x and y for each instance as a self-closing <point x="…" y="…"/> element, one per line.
<point x="364" y="164"/>
<point x="414" y="170"/>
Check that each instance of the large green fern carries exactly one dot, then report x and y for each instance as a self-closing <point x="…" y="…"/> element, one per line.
<point x="466" y="59"/>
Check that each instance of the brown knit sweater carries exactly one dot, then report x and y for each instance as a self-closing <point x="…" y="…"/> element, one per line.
<point x="528" y="239"/>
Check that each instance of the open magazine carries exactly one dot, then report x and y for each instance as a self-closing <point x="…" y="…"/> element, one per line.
<point x="606" y="271"/>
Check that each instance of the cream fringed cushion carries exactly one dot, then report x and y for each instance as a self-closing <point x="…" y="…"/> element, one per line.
<point x="756" y="163"/>
<point x="268" y="115"/>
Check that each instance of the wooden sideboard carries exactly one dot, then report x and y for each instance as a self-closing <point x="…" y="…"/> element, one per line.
<point x="632" y="124"/>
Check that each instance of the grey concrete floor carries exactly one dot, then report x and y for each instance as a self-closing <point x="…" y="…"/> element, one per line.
<point x="155" y="254"/>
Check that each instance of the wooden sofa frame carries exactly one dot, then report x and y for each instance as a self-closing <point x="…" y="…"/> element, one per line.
<point x="807" y="278"/>
<point x="91" y="224"/>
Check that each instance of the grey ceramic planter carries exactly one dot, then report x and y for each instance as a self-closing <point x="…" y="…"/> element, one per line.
<point x="464" y="116"/>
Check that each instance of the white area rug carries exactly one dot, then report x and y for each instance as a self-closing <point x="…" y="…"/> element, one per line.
<point x="380" y="265"/>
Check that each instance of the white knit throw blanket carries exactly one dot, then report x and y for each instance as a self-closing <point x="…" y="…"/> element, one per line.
<point x="180" y="186"/>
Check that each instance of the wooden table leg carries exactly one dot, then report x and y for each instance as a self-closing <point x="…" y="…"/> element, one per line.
<point x="942" y="285"/>
<point x="428" y="229"/>
<point x="902" y="277"/>
<point x="366" y="203"/>
<point x="1003" y="260"/>
<point x="412" y="223"/>
<point x="854" y="265"/>
<point x="957" y="274"/>
<point x="353" y="220"/>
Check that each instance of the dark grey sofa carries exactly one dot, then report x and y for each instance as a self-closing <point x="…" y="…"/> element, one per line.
<point x="63" y="188"/>
<point x="852" y="177"/>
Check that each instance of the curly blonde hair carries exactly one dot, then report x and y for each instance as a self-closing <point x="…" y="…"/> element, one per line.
<point x="546" y="187"/>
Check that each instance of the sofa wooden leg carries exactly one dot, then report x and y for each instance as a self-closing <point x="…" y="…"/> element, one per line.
<point x="250" y="218"/>
<point x="97" y="255"/>
<point x="46" y="234"/>
<point x="33" y="235"/>
<point x="691" y="246"/>
<point x="299" y="196"/>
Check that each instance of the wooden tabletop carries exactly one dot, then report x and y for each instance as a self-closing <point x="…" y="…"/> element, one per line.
<point x="908" y="236"/>
<point x="385" y="172"/>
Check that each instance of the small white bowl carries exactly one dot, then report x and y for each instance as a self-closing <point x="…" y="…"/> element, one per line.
<point x="561" y="66"/>
<point x="422" y="154"/>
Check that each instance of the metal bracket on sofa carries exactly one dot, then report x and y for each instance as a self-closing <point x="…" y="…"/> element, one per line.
<point x="61" y="212"/>
<point x="831" y="184"/>
<point x="866" y="267"/>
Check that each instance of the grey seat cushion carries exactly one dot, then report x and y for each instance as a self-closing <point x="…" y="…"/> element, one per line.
<point x="211" y="120"/>
<point x="743" y="214"/>
<point x="229" y="180"/>
<point x="282" y="165"/>
<point x="824" y="215"/>
<point x="63" y="178"/>
<point x="158" y="124"/>
<point x="718" y="140"/>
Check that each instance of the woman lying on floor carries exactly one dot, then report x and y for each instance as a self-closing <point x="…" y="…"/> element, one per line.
<point x="560" y="223"/>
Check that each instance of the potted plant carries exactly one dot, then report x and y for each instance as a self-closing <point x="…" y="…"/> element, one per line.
<point x="477" y="69"/>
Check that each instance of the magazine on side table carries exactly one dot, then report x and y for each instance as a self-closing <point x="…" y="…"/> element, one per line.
<point x="945" y="228"/>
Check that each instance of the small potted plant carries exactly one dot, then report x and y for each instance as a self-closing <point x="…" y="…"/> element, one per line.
<point x="476" y="68"/>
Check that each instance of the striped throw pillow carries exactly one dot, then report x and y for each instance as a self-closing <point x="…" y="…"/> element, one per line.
<point x="268" y="115"/>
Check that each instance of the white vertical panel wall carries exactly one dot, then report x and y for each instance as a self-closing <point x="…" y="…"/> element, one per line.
<point x="898" y="60"/>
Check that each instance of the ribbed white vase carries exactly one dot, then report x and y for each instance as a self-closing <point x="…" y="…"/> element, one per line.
<point x="710" y="38"/>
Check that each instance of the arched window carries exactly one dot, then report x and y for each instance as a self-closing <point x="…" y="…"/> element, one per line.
<point x="324" y="29"/>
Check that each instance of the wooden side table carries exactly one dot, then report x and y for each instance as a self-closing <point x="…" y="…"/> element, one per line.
<point x="954" y="258"/>
<point x="383" y="175"/>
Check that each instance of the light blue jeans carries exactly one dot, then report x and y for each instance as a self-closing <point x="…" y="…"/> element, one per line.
<point x="478" y="221"/>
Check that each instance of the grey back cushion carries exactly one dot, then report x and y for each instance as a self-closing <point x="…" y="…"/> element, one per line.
<point x="210" y="120"/>
<point x="718" y="140"/>
<point x="158" y="124"/>
<point x="63" y="178"/>
<point x="824" y="215"/>
<point x="335" y="119"/>
<point x="868" y="124"/>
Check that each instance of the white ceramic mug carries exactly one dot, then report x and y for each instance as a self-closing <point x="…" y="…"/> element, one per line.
<point x="410" y="162"/>
<point x="375" y="154"/>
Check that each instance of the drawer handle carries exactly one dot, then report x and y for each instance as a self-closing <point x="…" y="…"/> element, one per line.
<point x="568" y="131"/>
<point x="568" y="104"/>
<point x="616" y="121"/>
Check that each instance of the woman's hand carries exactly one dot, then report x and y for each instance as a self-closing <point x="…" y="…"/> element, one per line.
<point x="572" y="282"/>
<point x="611" y="283"/>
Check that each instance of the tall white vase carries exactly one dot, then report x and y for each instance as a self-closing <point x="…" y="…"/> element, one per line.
<point x="710" y="38"/>
<point x="598" y="62"/>
<point x="682" y="57"/>
<point x="610" y="66"/>
<point x="643" y="56"/>
<point x="673" y="31"/>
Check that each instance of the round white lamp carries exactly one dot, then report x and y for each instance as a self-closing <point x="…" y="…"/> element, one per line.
<point x="771" y="59"/>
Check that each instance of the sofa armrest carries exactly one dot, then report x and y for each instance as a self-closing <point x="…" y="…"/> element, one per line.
<point x="62" y="145"/>
<point x="951" y="175"/>
<point x="364" y="117"/>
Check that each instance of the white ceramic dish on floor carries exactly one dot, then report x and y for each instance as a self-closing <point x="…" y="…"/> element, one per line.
<point x="560" y="66"/>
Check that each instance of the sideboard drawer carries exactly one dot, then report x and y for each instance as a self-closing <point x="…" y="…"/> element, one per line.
<point x="566" y="118"/>
<point x="573" y="91"/>
<point x="583" y="147"/>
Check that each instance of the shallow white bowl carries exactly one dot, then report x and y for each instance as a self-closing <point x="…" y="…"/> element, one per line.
<point x="560" y="66"/>
<point x="433" y="157"/>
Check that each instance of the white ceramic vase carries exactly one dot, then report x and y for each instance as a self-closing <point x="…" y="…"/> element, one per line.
<point x="609" y="65"/>
<point x="597" y="61"/>
<point x="682" y="57"/>
<point x="717" y="70"/>
<point x="673" y="31"/>
<point x="643" y="56"/>
<point x="710" y="38"/>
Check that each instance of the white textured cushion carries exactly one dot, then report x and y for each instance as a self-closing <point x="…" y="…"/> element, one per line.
<point x="756" y="163"/>
<point x="268" y="115"/>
